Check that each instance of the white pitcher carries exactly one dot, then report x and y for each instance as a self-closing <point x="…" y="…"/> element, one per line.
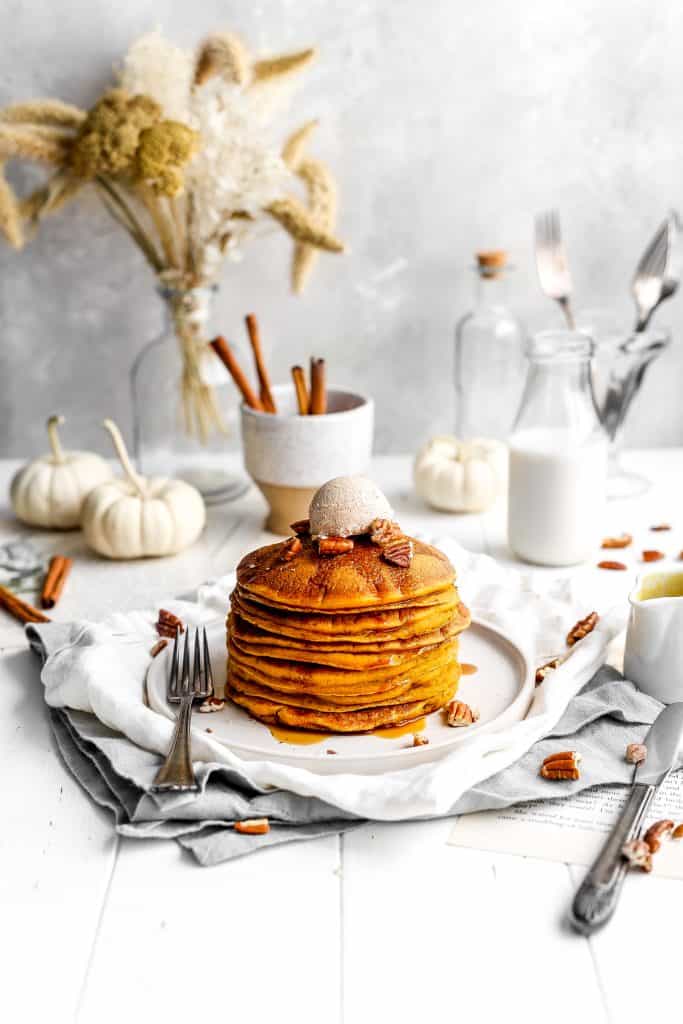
<point x="653" y="658"/>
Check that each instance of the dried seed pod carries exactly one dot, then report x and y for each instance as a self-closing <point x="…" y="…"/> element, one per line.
<point x="582" y="628"/>
<point x="252" y="826"/>
<point x="290" y="549"/>
<point x="459" y="714"/>
<point x="616" y="566"/>
<point x="335" y="545"/>
<point x="561" y="766"/>
<point x="638" y="855"/>
<point x="636" y="753"/>
<point x="651" y="555"/>
<point x="656" y="832"/>
<point x="544" y="670"/>
<point x="622" y="541"/>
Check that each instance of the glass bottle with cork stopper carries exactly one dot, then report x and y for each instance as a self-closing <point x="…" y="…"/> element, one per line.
<point x="489" y="355"/>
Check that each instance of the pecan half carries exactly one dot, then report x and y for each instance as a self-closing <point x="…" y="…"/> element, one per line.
<point x="650" y="555"/>
<point x="301" y="527"/>
<point x="459" y="714"/>
<point x="543" y="670"/>
<point x="290" y="549"/>
<point x="638" y="855"/>
<point x="656" y="832"/>
<point x="384" y="530"/>
<point x="617" y="566"/>
<point x="660" y="528"/>
<point x="335" y="545"/>
<point x="677" y="832"/>
<point x="618" y="542"/>
<point x="211" y="704"/>
<point x="636" y="753"/>
<point x="252" y="826"/>
<point x="398" y="552"/>
<point x="582" y="628"/>
<point x="169" y="624"/>
<point x="159" y="646"/>
<point x="419" y="740"/>
<point x="563" y="765"/>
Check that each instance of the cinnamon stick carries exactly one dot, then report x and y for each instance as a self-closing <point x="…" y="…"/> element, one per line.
<point x="56" y="577"/>
<point x="302" y="400"/>
<point x="265" y="393"/>
<point x="229" y="360"/>
<point x="318" y="403"/>
<point x="21" y="610"/>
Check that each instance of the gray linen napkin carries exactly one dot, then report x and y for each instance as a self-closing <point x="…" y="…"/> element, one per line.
<point x="599" y="722"/>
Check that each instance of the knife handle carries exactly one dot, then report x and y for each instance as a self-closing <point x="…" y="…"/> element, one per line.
<point x="597" y="895"/>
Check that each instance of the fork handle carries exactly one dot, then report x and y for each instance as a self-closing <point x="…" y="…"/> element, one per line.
<point x="176" y="774"/>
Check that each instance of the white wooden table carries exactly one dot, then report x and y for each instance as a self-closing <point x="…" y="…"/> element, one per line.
<point x="386" y="923"/>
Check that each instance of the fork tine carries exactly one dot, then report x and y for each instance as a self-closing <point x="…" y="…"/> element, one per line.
<point x="197" y="665"/>
<point x="185" y="677"/>
<point x="173" y="680"/>
<point x="655" y="251"/>
<point x="208" y="674"/>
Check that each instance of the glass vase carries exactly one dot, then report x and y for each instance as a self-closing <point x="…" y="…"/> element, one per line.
<point x="185" y="406"/>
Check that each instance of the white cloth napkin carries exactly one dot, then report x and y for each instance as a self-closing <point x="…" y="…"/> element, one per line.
<point x="101" y="668"/>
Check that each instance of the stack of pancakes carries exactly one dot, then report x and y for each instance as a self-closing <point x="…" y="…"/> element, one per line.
<point x="345" y="643"/>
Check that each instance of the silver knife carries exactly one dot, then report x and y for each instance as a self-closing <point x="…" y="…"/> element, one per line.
<point x="597" y="896"/>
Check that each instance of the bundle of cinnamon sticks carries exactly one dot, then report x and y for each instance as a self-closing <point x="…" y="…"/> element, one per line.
<point x="310" y="400"/>
<point x="53" y="585"/>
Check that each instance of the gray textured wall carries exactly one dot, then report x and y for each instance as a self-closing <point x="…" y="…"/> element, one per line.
<point x="448" y="124"/>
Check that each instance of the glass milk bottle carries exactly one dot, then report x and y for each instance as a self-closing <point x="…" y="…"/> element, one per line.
<point x="558" y="456"/>
<point x="489" y="351"/>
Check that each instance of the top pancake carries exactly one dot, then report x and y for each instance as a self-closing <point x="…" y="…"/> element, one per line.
<point x="358" y="579"/>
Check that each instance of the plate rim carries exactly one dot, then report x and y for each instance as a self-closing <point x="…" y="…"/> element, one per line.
<point x="302" y="757"/>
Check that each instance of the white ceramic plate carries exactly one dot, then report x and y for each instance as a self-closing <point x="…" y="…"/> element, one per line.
<point x="501" y="689"/>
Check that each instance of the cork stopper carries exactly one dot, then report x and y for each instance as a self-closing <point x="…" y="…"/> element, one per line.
<point x="492" y="262"/>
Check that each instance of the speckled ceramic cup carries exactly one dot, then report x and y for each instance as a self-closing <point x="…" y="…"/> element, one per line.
<point x="289" y="456"/>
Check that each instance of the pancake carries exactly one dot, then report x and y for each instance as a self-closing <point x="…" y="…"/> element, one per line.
<point x="401" y="694"/>
<point x="356" y="658"/>
<point x="359" y="578"/>
<point x="254" y="635"/>
<point x="361" y="627"/>
<point x="365" y="720"/>
<point x="432" y="600"/>
<point x="314" y="678"/>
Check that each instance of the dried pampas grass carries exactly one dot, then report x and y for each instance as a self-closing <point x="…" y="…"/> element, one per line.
<point x="278" y="67"/>
<point x="225" y="55"/>
<point x="49" y="198"/>
<point x="16" y="141"/>
<point x="322" y="203"/>
<point x="293" y="149"/>
<point x="10" y="219"/>
<point x="298" y="222"/>
<point x="51" y="112"/>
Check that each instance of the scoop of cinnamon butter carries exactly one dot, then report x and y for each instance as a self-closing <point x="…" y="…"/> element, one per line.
<point x="346" y="506"/>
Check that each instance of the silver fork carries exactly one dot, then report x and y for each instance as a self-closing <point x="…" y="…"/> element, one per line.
<point x="551" y="262"/>
<point x="177" y="774"/>
<point x="656" y="277"/>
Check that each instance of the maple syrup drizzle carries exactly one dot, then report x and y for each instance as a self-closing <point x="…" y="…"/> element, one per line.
<point x="298" y="737"/>
<point x="393" y="731"/>
<point x="467" y="669"/>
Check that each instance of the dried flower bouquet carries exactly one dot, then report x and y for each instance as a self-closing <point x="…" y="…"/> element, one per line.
<point x="181" y="155"/>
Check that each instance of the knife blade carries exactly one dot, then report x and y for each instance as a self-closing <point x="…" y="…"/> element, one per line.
<point x="597" y="896"/>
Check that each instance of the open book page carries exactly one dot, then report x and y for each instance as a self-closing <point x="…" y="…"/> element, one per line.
<point x="572" y="830"/>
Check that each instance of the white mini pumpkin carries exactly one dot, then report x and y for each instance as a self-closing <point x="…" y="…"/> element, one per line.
<point x="50" y="490"/>
<point x="141" y="517"/>
<point x="460" y="476"/>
